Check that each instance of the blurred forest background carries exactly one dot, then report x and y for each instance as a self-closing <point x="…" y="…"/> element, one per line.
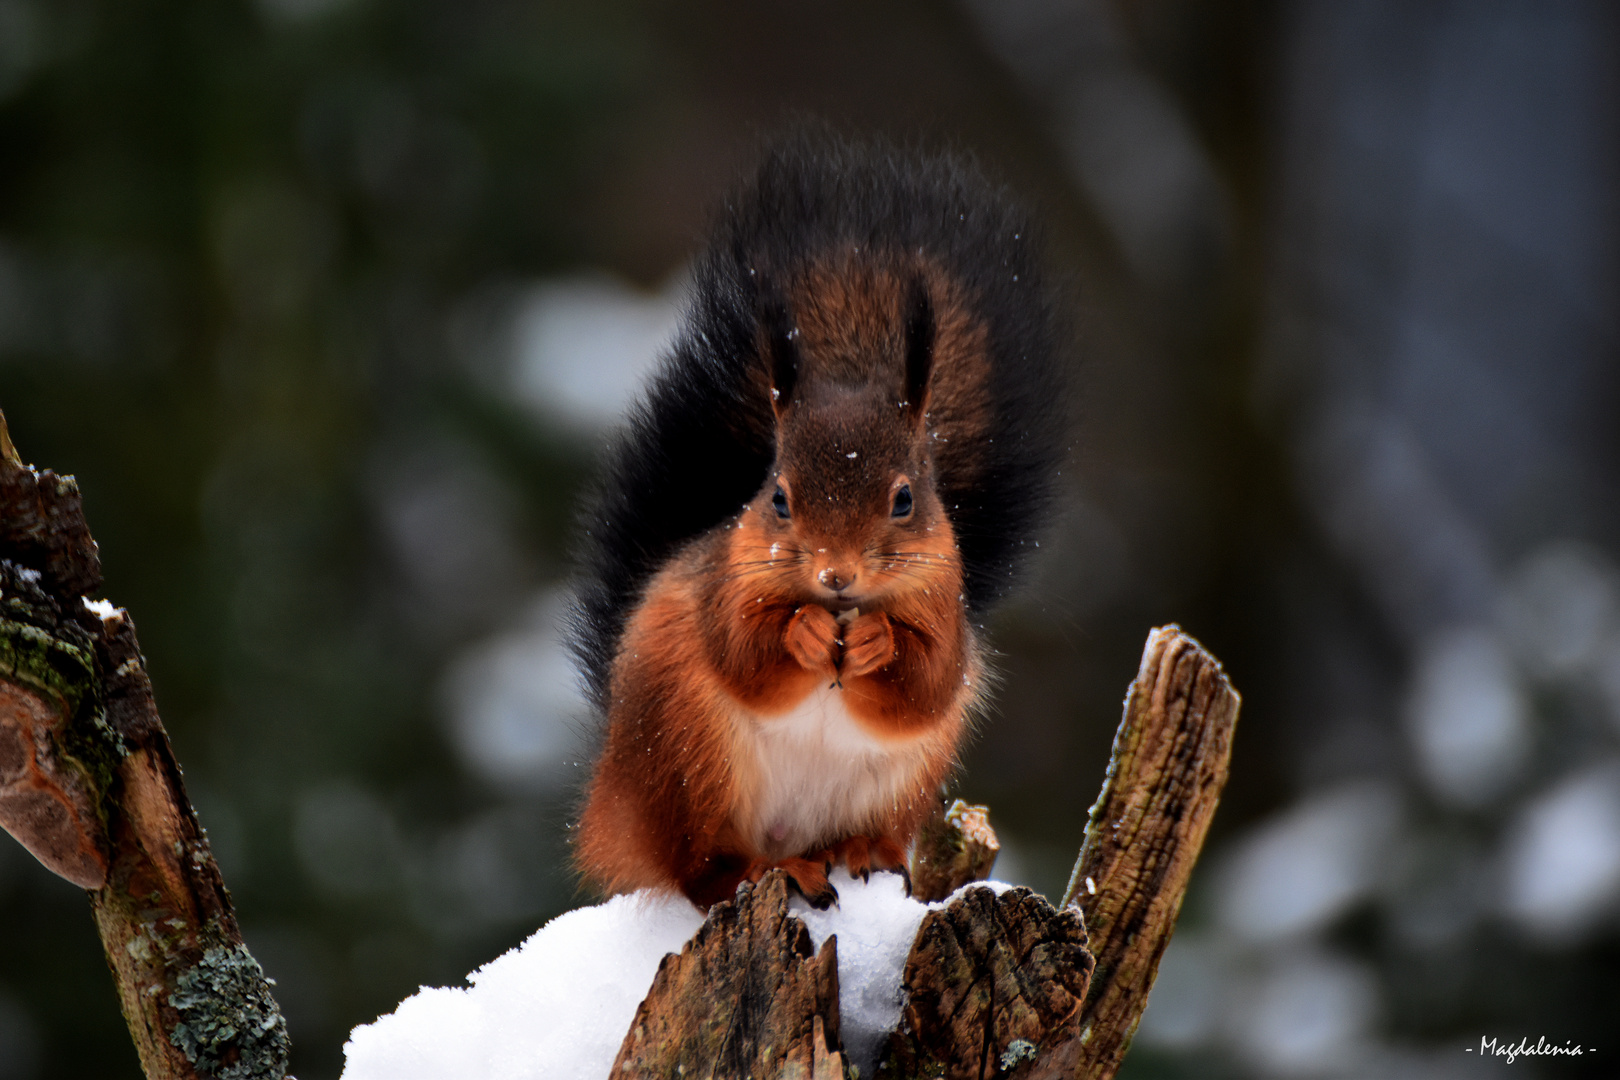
<point x="329" y="303"/>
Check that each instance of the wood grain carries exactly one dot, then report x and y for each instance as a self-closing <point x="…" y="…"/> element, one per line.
<point x="747" y="997"/>
<point x="992" y="985"/>
<point x="1169" y="764"/>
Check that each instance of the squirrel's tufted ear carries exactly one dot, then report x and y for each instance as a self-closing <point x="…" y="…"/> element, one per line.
<point x="919" y="346"/>
<point x="781" y="347"/>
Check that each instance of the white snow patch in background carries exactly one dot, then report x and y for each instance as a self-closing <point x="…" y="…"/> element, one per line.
<point x="1607" y="675"/>
<point x="1559" y="606"/>
<point x="1307" y="1012"/>
<point x="1468" y="717"/>
<point x="1563" y="855"/>
<point x="583" y="346"/>
<point x="1296" y="873"/>
<point x="558" y="1006"/>
<point x="513" y="701"/>
<point x="1189" y="994"/>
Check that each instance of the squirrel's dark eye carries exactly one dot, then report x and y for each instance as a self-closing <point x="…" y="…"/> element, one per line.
<point x="779" y="501"/>
<point x="902" y="502"/>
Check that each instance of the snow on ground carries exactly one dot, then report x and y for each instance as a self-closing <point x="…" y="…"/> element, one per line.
<point x="557" y="1006"/>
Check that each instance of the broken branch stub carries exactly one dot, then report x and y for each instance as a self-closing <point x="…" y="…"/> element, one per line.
<point x="993" y="984"/>
<point x="90" y="785"/>
<point x="1169" y="765"/>
<point x="954" y="847"/>
<point x="47" y="679"/>
<point x="747" y="997"/>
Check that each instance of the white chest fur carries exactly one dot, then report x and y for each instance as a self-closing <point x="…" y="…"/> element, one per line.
<point x="821" y="776"/>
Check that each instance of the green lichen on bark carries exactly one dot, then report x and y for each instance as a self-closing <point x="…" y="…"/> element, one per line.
<point x="55" y="658"/>
<point x="52" y="654"/>
<point x="230" y="1027"/>
<point x="44" y="658"/>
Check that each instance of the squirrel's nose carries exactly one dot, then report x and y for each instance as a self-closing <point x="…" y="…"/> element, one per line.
<point x="834" y="580"/>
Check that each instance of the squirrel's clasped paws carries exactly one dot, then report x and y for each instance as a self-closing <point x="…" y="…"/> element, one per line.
<point x="812" y="638"/>
<point x="868" y="645"/>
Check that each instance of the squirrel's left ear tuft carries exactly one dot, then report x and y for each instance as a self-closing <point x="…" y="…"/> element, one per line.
<point x="919" y="346"/>
<point x="782" y="350"/>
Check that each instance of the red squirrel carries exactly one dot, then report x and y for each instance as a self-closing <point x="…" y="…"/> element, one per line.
<point x="830" y="478"/>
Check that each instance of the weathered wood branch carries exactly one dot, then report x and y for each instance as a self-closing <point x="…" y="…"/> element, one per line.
<point x="90" y="785"/>
<point x="955" y="846"/>
<point x="991" y="985"/>
<point x="1001" y="986"/>
<point x="1165" y="777"/>
<point x="747" y="997"/>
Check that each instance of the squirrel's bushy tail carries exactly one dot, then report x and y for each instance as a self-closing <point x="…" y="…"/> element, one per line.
<point x="699" y="441"/>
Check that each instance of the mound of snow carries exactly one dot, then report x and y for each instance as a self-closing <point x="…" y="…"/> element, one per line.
<point x="558" y="1006"/>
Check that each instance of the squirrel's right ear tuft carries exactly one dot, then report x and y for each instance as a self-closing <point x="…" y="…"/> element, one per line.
<point x="919" y="346"/>
<point x="781" y="347"/>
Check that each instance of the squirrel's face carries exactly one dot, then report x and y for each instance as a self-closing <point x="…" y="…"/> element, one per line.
<point x="849" y="515"/>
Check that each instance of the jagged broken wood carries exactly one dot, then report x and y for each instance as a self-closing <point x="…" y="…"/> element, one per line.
<point x="955" y="846"/>
<point x="1165" y="776"/>
<point x="90" y="785"/>
<point x="747" y="997"/>
<point x="992" y="982"/>
<point x="998" y="986"/>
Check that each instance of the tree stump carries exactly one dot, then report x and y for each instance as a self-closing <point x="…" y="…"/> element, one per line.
<point x="1005" y="986"/>
<point x="747" y="997"/>
<point x="992" y="984"/>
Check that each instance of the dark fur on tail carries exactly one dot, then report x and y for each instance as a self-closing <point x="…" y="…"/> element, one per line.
<point x="700" y="440"/>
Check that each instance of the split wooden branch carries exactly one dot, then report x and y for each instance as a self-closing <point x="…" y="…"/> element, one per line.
<point x="89" y="784"/>
<point x="747" y="997"/>
<point x="955" y="846"/>
<point x="993" y="982"/>
<point x="1165" y="777"/>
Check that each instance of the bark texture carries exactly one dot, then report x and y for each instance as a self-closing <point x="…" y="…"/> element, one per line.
<point x="90" y="785"/>
<point x="993" y="984"/>
<point x="747" y="997"/>
<point x="1169" y="764"/>
<point x="954" y="847"/>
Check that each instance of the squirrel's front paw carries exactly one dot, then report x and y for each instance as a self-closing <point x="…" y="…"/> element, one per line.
<point x="868" y="645"/>
<point x="812" y="638"/>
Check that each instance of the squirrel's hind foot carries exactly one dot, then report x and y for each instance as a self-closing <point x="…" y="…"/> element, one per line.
<point x="807" y="874"/>
<point x="864" y="854"/>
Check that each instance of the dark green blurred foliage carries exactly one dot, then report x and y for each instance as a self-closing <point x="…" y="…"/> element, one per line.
<point x="229" y="239"/>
